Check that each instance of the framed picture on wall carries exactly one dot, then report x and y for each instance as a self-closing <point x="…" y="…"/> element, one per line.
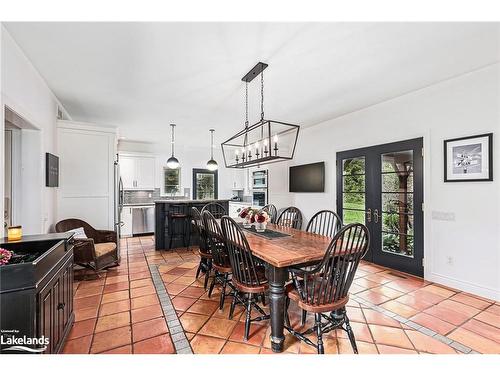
<point x="469" y="158"/>
<point x="51" y="170"/>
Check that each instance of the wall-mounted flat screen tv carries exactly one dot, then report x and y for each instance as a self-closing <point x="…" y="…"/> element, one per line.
<point x="307" y="178"/>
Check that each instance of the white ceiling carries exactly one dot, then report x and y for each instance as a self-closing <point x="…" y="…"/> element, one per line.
<point x="142" y="76"/>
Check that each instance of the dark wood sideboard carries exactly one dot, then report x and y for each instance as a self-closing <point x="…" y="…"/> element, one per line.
<point x="36" y="296"/>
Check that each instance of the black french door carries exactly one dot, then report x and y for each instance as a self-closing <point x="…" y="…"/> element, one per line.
<point x="382" y="187"/>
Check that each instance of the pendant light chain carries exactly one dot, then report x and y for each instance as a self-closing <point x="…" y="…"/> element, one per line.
<point x="173" y="139"/>
<point x="246" y="105"/>
<point x="211" y="143"/>
<point x="262" y="96"/>
<point x="246" y="115"/>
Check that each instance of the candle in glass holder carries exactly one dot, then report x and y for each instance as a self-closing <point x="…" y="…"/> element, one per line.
<point x="265" y="147"/>
<point x="14" y="233"/>
<point x="276" y="144"/>
<point x="257" y="149"/>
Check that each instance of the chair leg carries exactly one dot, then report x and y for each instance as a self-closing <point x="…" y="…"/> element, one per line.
<point x="200" y="266"/>
<point x="233" y="305"/>
<point x="350" y="333"/>
<point x="223" y="292"/>
<point x="303" y="317"/>
<point x="207" y="273"/>
<point x="170" y="242"/>
<point x="287" y="316"/>
<point x="319" y="332"/>
<point x="263" y="299"/>
<point x="247" y="318"/>
<point x="212" y="284"/>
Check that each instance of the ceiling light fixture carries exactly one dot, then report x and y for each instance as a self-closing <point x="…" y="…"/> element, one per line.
<point x="266" y="141"/>
<point x="212" y="164"/>
<point x="172" y="161"/>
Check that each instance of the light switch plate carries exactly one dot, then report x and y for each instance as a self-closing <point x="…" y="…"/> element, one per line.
<point x="443" y="216"/>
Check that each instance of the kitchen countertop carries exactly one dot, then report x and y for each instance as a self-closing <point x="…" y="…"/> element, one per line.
<point x="138" y="204"/>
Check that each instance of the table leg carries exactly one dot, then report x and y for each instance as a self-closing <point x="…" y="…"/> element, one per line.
<point x="277" y="278"/>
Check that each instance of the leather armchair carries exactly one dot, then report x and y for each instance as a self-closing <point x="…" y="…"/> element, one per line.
<point x="98" y="251"/>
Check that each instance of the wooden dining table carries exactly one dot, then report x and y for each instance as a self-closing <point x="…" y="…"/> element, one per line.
<point x="278" y="254"/>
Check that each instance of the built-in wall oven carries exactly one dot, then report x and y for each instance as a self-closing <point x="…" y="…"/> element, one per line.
<point x="259" y="197"/>
<point x="259" y="187"/>
<point x="259" y="179"/>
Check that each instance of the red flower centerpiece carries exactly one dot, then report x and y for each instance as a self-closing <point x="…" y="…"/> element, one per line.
<point x="248" y="214"/>
<point x="5" y="256"/>
<point x="262" y="218"/>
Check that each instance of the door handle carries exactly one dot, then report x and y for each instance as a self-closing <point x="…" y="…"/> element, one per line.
<point x="369" y="215"/>
<point x="377" y="216"/>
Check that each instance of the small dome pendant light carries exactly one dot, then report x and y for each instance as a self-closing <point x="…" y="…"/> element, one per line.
<point x="172" y="161"/>
<point x="212" y="164"/>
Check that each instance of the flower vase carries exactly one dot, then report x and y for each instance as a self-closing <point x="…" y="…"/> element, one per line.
<point x="246" y="223"/>
<point x="260" y="227"/>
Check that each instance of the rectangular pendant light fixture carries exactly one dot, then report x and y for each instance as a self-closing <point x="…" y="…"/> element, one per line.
<point x="266" y="141"/>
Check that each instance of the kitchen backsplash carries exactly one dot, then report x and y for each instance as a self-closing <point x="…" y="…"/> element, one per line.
<point x="140" y="196"/>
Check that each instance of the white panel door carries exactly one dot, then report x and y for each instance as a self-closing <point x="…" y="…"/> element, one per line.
<point x="86" y="174"/>
<point x="85" y="167"/>
<point x="145" y="172"/>
<point x="128" y="171"/>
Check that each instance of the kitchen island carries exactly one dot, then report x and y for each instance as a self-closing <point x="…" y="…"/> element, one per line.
<point x="163" y="207"/>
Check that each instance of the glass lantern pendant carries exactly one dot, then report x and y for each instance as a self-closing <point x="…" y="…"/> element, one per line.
<point x="266" y="141"/>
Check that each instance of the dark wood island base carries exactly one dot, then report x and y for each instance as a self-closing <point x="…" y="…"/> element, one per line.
<point x="164" y="207"/>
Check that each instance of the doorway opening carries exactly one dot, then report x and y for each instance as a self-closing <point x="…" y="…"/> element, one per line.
<point x="22" y="174"/>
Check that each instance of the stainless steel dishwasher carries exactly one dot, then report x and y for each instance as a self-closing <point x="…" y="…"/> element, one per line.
<point x="143" y="220"/>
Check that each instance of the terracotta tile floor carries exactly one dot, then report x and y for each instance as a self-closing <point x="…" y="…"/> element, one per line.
<point x="120" y="312"/>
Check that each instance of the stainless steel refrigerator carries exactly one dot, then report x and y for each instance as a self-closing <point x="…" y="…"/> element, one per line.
<point x="118" y="200"/>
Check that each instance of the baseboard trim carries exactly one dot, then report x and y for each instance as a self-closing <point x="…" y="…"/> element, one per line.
<point x="465" y="286"/>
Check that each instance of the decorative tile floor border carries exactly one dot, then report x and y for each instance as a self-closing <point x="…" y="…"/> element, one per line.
<point x="177" y="333"/>
<point x="426" y="331"/>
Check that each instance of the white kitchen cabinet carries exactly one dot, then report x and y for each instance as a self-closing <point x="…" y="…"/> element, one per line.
<point x="137" y="172"/>
<point x="238" y="180"/>
<point x="126" y="217"/>
<point x="127" y="171"/>
<point x="145" y="171"/>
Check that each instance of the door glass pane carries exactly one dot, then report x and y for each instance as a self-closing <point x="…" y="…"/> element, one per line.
<point x="393" y="182"/>
<point x="393" y="222"/>
<point x="355" y="201"/>
<point x="353" y="166"/>
<point x="352" y="216"/>
<point x="205" y="186"/>
<point x="397" y="203"/>
<point x="398" y="244"/>
<point x="353" y="195"/>
<point x="354" y="184"/>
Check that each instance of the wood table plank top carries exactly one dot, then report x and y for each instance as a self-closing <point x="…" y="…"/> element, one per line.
<point x="298" y="248"/>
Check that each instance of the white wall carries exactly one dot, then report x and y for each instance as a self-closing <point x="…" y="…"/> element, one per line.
<point x="465" y="105"/>
<point x="25" y="92"/>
